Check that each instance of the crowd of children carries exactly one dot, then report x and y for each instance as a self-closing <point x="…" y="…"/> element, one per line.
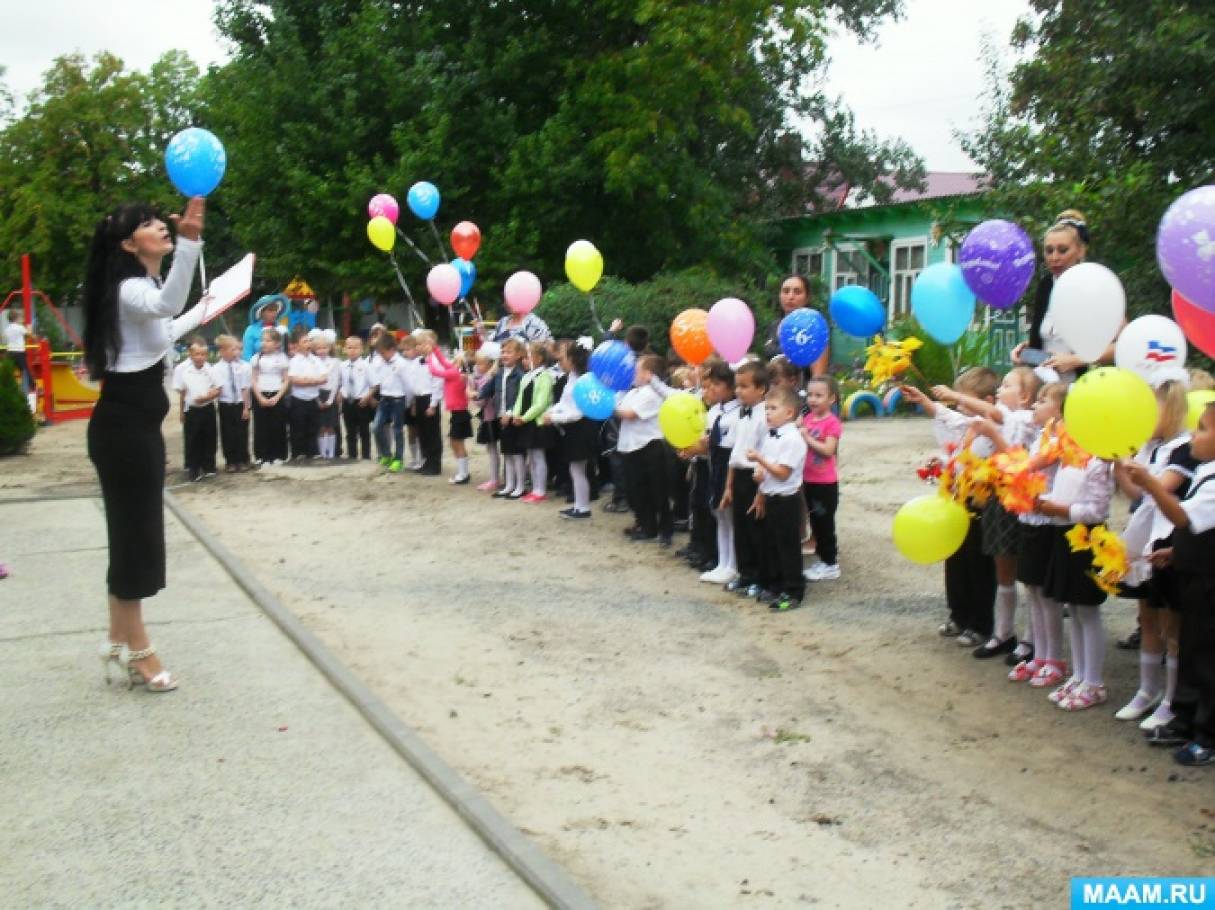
<point x="1170" y="542"/>
<point x="763" y="482"/>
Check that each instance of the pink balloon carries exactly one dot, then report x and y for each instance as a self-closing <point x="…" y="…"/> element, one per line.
<point x="443" y="282"/>
<point x="522" y="292"/>
<point x="383" y="204"/>
<point x="731" y="328"/>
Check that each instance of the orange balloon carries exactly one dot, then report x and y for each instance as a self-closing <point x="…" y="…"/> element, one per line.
<point x="690" y="336"/>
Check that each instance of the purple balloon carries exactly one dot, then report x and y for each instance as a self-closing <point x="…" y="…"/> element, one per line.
<point x="997" y="262"/>
<point x="1185" y="247"/>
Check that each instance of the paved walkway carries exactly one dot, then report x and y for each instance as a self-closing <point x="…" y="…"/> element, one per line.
<point x="256" y="783"/>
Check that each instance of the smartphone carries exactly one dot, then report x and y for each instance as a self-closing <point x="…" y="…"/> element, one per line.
<point x="1034" y="357"/>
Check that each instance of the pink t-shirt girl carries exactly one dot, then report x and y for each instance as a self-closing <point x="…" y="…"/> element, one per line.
<point x="819" y="469"/>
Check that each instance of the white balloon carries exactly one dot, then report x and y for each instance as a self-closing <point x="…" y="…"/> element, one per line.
<point x="1087" y="306"/>
<point x="1150" y="343"/>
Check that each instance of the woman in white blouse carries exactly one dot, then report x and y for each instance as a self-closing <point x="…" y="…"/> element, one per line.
<point x="131" y="322"/>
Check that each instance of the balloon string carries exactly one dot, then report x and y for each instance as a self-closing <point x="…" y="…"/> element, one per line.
<point x="595" y="315"/>
<point x="413" y="246"/>
<point x="413" y="309"/>
<point x="439" y="240"/>
<point x="202" y="272"/>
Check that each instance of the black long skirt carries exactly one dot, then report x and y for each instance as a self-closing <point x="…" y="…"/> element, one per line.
<point x="128" y="451"/>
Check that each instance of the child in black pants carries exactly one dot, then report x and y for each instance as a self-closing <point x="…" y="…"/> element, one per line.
<point x="1193" y="558"/>
<point x="235" y="403"/>
<point x="777" y="504"/>
<point x="194" y="381"/>
<point x="357" y="401"/>
<point x="645" y="454"/>
<point x="750" y="387"/>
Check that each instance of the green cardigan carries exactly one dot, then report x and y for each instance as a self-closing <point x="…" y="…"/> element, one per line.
<point x="542" y="397"/>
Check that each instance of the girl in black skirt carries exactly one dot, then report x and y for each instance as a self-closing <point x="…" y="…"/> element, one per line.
<point x="485" y="389"/>
<point x="129" y="331"/>
<point x="579" y="435"/>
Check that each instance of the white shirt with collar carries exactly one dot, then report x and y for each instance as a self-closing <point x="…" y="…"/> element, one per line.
<point x="305" y="366"/>
<point x="146" y="310"/>
<point x="434" y="384"/>
<point x="728" y="412"/>
<point x="355" y="381"/>
<point x="750" y="428"/>
<point x="783" y="446"/>
<point x="950" y="427"/>
<point x="1085" y="491"/>
<point x="637" y="433"/>
<point x="233" y="376"/>
<point x="417" y="376"/>
<point x="14" y="336"/>
<point x="393" y="377"/>
<point x="566" y="410"/>
<point x="195" y="382"/>
<point x="271" y="371"/>
<point x="1199" y="505"/>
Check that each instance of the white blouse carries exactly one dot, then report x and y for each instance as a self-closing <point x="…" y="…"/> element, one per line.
<point x="146" y="324"/>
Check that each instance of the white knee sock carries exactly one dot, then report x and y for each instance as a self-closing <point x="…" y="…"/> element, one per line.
<point x="1051" y="627"/>
<point x="1033" y="618"/>
<point x="1006" y="609"/>
<point x="1076" y="635"/>
<point x="582" y="486"/>
<point x="519" y="464"/>
<point x="508" y="484"/>
<point x="1170" y="686"/>
<point x="495" y="466"/>
<point x="415" y="451"/>
<point x="539" y="466"/>
<point x="725" y="540"/>
<point x="1093" y="628"/>
<point x="461" y="467"/>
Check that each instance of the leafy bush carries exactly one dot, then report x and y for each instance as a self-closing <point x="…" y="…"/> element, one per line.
<point x="941" y="364"/>
<point x="653" y="304"/>
<point x="16" y="421"/>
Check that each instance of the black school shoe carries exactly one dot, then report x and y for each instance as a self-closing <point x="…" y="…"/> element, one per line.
<point x="1194" y="755"/>
<point x="574" y="514"/>
<point x="767" y="597"/>
<point x="640" y="535"/>
<point x="1005" y="647"/>
<point x="1130" y="643"/>
<point x="664" y="541"/>
<point x="738" y="585"/>
<point x="1013" y="659"/>
<point x="785" y="603"/>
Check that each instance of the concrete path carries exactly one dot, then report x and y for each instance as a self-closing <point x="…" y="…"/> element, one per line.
<point x="255" y="784"/>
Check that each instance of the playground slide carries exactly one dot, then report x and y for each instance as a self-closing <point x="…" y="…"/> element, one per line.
<point x="69" y="390"/>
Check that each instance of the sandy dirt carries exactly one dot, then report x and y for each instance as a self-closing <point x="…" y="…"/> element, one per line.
<point x="675" y="746"/>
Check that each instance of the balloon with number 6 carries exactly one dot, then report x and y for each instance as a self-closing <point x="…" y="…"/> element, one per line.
<point x="196" y="161"/>
<point x="682" y="419"/>
<point x="803" y="336"/>
<point x="595" y="400"/>
<point x="930" y="528"/>
<point x="381" y="233"/>
<point x="583" y="265"/>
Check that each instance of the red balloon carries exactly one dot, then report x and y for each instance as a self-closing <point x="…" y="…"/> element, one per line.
<point x="1197" y="323"/>
<point x="466" y="240"/>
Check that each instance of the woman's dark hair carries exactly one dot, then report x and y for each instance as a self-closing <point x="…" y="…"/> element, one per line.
<point x="578" y="356"/>
<point x="108" y="266"/>
<point x="803" y="279"/>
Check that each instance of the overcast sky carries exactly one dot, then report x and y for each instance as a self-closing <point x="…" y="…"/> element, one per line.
<point x="920" y="81"/>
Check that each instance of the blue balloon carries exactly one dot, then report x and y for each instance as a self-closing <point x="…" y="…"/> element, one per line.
<point x="423" y="200"/>
<point x="468" y="274"/>
<point x="595" y="400"/>
<point x="803" y="336"/>
<point x="942" y="302"/>
<point x="857" y="311"/>
<point x="196" y="161"/>
<point x="613" y="364"/>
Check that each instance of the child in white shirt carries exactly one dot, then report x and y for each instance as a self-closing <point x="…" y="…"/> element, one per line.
<point x="197" y="389"/>
<point x="235" y="377"/>
<point x="644" y="452"/>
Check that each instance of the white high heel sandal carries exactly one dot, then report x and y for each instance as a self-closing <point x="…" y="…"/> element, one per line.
<point x="164" y="681"/>
<point x="110" y="652"/>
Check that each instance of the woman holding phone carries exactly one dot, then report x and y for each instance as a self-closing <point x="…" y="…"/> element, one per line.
<point x="131" y="322"/>
<point x="1064" y="245"/>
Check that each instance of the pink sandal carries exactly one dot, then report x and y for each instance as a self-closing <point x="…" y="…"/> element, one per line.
<point x="1024" y="671"/>
<point x="1064" y="690"/>
<point x="1051" y="673"/>
<point x="1084" y="696"/>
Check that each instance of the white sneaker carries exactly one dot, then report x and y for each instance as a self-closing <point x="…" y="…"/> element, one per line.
<point x="719" y="576"/>
<point x="824" y="572"/>
<point x="1158" y="718"/>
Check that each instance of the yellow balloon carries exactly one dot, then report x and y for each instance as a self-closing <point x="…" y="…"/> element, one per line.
<point x="1110" y="412"/>
<point x="381" y="233"/>
<point x="682" y="419"/>
<point x="1198" y="400"/>
<point x="930" y="528"/>
<point x="583" y="265"/>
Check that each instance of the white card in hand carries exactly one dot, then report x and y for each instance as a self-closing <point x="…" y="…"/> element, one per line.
<point x="230" y="288"/>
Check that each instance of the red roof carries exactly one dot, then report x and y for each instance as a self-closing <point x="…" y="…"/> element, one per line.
<point x="938" y="184"/>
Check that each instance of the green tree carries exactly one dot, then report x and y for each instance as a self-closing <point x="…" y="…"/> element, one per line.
<point x="663" y="131"/>
<point x="92" y="135"/>
<point x="1107" y="110"/>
